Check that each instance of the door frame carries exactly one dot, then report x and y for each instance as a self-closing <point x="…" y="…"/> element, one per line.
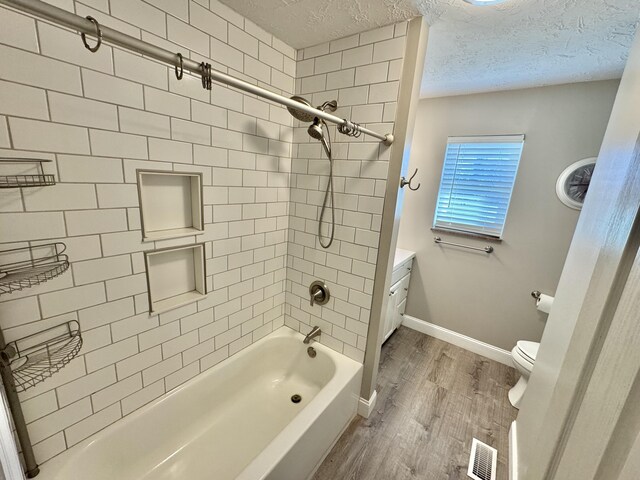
<point x="408" y="98"/>
<point x="586" y="373"/>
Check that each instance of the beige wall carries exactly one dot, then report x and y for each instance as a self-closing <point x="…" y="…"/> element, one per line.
<point x="487" y="297"/>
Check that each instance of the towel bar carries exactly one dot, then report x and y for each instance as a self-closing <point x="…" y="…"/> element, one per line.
<point x="487" y="249"/>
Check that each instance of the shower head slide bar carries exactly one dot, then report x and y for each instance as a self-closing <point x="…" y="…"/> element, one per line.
<point x="114" y="37"/>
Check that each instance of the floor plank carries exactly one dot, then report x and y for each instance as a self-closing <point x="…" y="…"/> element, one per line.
<point x="433" y="398"/>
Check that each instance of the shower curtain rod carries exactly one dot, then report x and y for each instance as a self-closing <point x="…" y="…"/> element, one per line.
<point x="114" y="37"/>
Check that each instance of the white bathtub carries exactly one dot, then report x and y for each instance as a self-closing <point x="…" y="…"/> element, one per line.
<point x="235" y="421"/>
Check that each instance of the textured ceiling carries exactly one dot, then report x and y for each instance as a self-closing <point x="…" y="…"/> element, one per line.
<point x="517" y="44"/>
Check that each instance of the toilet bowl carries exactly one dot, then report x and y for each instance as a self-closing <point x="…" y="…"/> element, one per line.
<point x="523" y="356"/>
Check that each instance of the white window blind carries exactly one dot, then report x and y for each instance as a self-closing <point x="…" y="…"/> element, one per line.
<point x="476" y="184"/>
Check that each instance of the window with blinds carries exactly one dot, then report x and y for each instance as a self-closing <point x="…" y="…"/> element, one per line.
<point x="476" y="184"/>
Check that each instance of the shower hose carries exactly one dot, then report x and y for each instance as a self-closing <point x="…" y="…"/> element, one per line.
<point x="326" y="144"/>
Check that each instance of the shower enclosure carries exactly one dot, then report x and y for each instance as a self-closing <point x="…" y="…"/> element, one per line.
<point x="274" y="214"/>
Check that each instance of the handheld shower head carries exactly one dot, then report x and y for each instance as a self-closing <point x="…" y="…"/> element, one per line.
<point x="316" y="132"/>
<point x="315" y="129"/>
<point x="299" y="114"/>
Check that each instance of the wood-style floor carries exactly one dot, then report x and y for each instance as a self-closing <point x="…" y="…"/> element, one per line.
<point x="433" y="398"/>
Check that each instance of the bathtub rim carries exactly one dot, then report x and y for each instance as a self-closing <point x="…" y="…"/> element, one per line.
<point x="345" y="369"/>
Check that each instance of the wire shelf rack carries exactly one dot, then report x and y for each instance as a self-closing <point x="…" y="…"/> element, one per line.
<point x="36" y="357"/>
<point x="24" y="179"/>
<point x="25" y="267"/>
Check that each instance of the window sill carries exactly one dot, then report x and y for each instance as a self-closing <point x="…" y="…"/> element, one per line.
<point x="458" y="233"/>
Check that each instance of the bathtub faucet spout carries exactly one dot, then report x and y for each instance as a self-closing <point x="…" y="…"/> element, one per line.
<point x="315" y="331"/>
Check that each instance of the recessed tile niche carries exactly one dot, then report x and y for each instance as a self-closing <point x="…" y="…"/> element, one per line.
<point x="176" y="276"/>
<point x="170" y="204"/>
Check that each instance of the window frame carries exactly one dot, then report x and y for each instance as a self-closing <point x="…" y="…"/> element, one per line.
<point x="506" y="138"/>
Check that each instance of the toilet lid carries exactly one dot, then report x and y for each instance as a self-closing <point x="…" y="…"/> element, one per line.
<point x="528" y="349"/>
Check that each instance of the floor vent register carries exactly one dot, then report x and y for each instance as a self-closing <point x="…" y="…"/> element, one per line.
<point x="482" y="464"/>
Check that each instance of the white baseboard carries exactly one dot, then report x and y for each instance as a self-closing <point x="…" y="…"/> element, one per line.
<point x="513" y="452"/>
<point x="365" y="407"/>
<point x="462" y="341"/>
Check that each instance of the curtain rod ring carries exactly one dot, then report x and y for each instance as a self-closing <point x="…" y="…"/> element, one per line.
<point x="98" y="35"/>
<point x="203" y="73"/>
<point x="205" y="69"/>
<point x="179" y="73"/>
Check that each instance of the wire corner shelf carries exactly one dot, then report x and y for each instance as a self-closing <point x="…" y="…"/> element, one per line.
<point x="20" y="180"/>
<point x="29" y="266"/>
<point x="36" y="357"/>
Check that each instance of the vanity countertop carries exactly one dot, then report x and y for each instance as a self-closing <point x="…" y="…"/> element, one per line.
<point x="402" y="256"/>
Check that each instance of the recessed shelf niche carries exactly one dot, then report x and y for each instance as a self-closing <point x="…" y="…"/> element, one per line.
<point x="176" y="276"/>
<point x="170" y="204"/>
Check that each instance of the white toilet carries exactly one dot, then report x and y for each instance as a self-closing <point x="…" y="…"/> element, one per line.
<point x="523" y="355"/>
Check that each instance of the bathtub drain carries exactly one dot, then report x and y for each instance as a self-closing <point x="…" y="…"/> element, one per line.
<point x="296" y="398"/>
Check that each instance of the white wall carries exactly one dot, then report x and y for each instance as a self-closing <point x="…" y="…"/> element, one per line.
<point x="362" y="72"/>
<point x="631" y="467"/>
<point x="99" y="117"/>
<point x="487" y="297"/>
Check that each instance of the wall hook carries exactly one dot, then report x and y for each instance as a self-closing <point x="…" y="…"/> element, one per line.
<point x="404" y="181"/>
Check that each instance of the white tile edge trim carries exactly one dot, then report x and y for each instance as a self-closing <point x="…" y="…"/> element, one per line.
<point x="462" y="341"/>
<point x="10" y="462"/>
<point x="513" y="452"/>
<point x="366" y="406"/>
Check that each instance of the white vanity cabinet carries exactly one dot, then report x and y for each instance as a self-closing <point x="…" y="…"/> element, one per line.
<point x="403" y="262"/>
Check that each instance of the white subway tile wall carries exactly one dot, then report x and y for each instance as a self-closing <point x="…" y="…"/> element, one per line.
<point x="361" y="73"/>
<point x="100" y="117"/>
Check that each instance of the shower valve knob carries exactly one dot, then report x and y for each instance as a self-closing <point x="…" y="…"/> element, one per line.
<point x="318" y="293"/>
